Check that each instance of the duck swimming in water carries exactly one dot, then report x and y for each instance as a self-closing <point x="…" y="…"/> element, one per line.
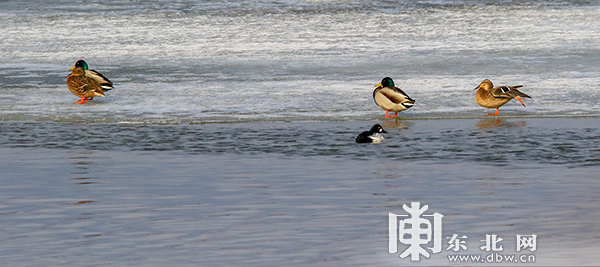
<point x="371" y="136"/>
<point x="489" y="97"/>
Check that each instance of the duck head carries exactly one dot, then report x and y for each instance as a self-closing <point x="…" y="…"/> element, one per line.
<point x="386" y="82"/>
<point x="485" y="85"/>
<point x="377" y="129"/>
<point x="80" y="63"/>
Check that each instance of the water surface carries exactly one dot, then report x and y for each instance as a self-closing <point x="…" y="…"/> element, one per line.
<point x="229" y="137"/>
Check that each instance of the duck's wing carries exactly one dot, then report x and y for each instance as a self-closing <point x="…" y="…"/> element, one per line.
<point x="84" y="86"/>
<point x="508" y="92"/>
<point x="363" y="137"/>
<point x="396" y="95"/>
<point x="104" y="82"/>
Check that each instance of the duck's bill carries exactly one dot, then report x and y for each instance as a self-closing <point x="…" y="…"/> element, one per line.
<point x="71" y="69"/>
<point x="379" y="84"/>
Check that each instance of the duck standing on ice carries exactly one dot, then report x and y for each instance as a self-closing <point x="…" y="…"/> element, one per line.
<point x="391" y="98"/>
<point x="489" y="97"/>
<point x="87" y="83"/>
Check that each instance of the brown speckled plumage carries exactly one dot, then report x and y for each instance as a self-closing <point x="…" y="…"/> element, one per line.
<point x="83" y="86"/>
<point x="489" y="97"/>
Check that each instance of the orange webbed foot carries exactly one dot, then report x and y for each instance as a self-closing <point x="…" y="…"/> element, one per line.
<point x="83" y="100"/>
<point x="388" y="116"/>
<point x="496" y="112"/>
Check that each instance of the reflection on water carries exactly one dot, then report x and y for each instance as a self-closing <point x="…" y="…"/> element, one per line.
<point x="84" y="202"/>
<point x="84" y="164"/>
<point x="83" y="180"/>
<point x="397" y="123"/>
<point x="491" y="123"/>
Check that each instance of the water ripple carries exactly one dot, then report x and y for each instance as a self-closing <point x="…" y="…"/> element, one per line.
<point x="489" y="141"/>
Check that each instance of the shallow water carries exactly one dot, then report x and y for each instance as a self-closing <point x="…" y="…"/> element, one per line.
<point x="229" y="137"/>
<point x="572" y="142"/>
<point x="302" y="193"/>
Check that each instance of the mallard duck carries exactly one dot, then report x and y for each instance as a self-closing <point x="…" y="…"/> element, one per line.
<point x="83" y="86"/>
<point x="391" y="98"/>
<point x="371" y="136"/>
<point x="489" y="97"/>
<point x="104" y="82"/>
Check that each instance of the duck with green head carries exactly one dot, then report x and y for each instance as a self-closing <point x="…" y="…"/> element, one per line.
<point x="391" y="98"/>
<point x="81" y="85"/>
<point x="104" y="83"/>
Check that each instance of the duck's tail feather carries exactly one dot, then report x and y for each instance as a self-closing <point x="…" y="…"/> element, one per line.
<point x="104" y="82"/>
<point x="516" y="93"/>
<point x="106" y="86"/>
<point x="510" y="91"/>
<point x="408" y="104"/>
<point x="97" y="93"/>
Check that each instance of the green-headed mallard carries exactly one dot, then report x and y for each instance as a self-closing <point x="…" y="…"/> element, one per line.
<point x="83" y="86"/>
<point x="371" y="136"/>
<point x="104" y="82"/>
<point x="391" y="98"/>
<point x="489" y="97"/>
<point x="89" y="89"/>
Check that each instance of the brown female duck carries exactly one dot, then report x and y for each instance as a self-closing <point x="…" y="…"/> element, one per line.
<point x="489" y="97"/>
